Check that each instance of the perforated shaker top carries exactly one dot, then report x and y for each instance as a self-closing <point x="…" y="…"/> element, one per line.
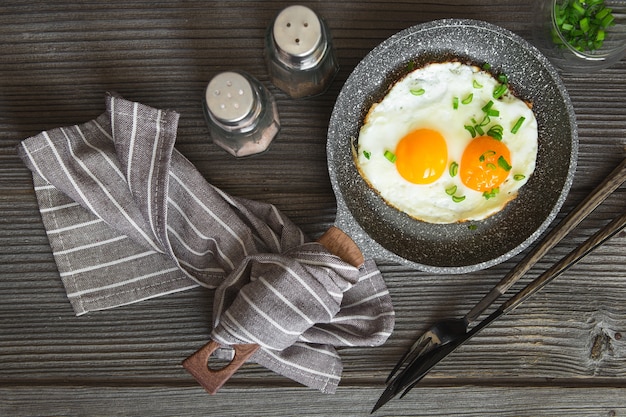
<point x="297" y="31"/>
<point x="229" y="97"/>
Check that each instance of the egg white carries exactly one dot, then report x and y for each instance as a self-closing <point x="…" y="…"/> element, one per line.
<point x="401" y="112"/>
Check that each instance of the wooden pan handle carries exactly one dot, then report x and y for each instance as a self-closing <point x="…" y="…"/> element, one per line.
<point x="213" y="379"/>
<point x="338" y="243"/>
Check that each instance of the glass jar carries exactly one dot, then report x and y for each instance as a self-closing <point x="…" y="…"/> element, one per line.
<point x="299" y="53"/>
<point x="241" y="113"/>
<point x="580" y="36"/>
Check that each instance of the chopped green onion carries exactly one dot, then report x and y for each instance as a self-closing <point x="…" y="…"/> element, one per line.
<point x="391" y="157"/>
<point x="410" y="65"/>
<point x="503" y="163"/>
<point x="458" y="199"/>
<point x="491" y="166"/>
<point x="519" y="177"/>
<point x="493" y="113"/>
<point x="491" y="194"/>
<point x="517" y="124"/>
<point x="499" y="91"/>
<point x="487" y="106"/>
<point x="607" y="21"/>
<point x="495" y="132"/>
<point x="454" y="169"/>
<point x="476" y="84"/>
<point x="479" y="130"/>
<point x="472" y="227"/>
<point x="455" y="103"/>
<point x="451" y="190"/>
<point x="417" y="92"/>
<point x="471" y="130"/>
<point x="468" y="99"/>
<point x="486" y="155"/>
<point x="503" y="78"/>
<point x="486" y="66"/>
<point x="582" y="23"/>
<point x="367" y="154"/>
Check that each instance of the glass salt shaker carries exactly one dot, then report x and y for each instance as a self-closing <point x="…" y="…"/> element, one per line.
<point x="241" y="113"/>
<point x="299" y="52"/>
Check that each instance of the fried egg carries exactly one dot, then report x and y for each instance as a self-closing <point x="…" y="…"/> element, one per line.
<point x="448" y="143"/>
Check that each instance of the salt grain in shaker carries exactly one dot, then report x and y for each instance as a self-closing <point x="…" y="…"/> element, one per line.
<point x="299" y="52"/>
<point x="241" y="113"/>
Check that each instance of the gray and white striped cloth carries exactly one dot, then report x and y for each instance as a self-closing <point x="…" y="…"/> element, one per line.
<point x="129" y="218"/>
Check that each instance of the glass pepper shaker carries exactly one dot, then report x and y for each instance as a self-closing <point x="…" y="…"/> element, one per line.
<point x="299" y="52"/>
<point x="241" y="113"/>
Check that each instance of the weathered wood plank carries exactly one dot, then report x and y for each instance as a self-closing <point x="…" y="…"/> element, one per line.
<point x="549" y="399"/>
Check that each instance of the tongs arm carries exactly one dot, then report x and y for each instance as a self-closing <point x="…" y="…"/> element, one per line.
<point x="419" y="367"/>
<point x="582" y="210"/>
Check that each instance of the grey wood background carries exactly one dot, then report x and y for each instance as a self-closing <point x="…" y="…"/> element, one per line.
<point x="562" y="353"/>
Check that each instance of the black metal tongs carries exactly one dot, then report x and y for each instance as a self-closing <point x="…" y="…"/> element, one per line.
<point x="417" y="362"/>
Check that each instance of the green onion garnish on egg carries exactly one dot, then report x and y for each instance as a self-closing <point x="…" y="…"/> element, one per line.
<point x="451" y="190"/>
<point x="500" y="90"/>
<point x="391" y="157"/>
<point x="519" y="177"/>
<point x="458" y="199"/>
<point x="517" y="125"/>
<point x="454" y="169"/>
<point x="367" y="154"/>
<point x="417" y="91"/>
<point x="491" y="194"/>
<point x="468" y="99"/>
<point x="486" y="155"/>
<point x="455" y="103"/>
<point x="495" y="132"/>
<point x="504" y="164"/>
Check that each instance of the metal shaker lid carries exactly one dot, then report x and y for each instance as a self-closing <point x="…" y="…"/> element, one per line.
<point x="297" y="31"/>
<point x="229" y="97"/>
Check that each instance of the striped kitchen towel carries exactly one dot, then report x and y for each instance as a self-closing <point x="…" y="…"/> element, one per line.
<point x="129" y="218"/>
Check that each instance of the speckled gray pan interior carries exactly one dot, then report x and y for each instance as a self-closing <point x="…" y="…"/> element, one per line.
<point x="383" y="232"/>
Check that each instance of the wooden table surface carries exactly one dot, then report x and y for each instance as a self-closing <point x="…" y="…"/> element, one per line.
<point x="561" y="353"/>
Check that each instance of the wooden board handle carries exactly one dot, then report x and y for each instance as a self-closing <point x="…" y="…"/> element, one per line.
<point x="338" y="243"/>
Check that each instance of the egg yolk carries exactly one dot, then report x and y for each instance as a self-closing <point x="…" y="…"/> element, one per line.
<point x="421" y="156"/>
<point x="485" y="164"/>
